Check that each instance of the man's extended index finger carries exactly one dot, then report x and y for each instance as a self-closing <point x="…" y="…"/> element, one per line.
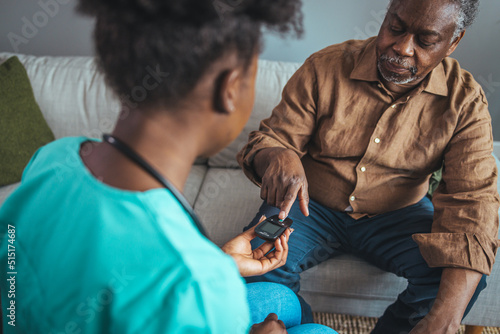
<point x="290" y="196"/>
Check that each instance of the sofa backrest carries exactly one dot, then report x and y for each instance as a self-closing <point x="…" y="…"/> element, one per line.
<point x="75" y="100"/>
<point x="71" y="94"/>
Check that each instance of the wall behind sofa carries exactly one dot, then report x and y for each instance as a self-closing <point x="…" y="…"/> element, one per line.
<point x="50" y="27"/>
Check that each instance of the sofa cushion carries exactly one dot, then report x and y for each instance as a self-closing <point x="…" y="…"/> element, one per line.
<point x="227" y="202"/>
<point x="366" y="289"/>
<point x="193" y="183"/>
<point x="22" y="127"/>
<point x="72" y="94"/>
<point x="271" y="78"/>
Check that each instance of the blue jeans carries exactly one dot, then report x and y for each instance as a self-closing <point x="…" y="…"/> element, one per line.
<point x="384" y="240"/>
<point x="265" y="298"/>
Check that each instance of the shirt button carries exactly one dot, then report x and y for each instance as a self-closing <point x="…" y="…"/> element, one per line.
<point x="352" y="198"/>
<point x="376" y="140"/>
<point x="363" y="169"/>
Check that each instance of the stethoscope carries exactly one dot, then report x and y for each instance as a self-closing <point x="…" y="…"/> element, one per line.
<point x="136" y="158"/>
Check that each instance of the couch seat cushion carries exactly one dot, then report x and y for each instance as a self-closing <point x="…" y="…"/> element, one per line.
<point x="227" y="202"/>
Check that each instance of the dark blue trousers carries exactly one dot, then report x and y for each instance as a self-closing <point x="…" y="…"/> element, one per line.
<point x="384" y="240"/>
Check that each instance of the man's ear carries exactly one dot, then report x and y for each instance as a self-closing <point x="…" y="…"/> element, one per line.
<point x="454" y="44"/>
<point x="226" y="91"/>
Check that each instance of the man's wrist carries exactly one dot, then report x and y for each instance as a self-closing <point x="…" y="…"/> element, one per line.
<point x="455" y="291"/>
<point x="437" y="322"/>
<point x="263" y="157"/>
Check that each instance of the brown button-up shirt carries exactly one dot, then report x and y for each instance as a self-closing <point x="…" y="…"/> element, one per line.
<point x="362" y="148"/>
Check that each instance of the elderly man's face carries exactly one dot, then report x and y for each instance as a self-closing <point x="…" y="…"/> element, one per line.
<point x="415" y="36"/>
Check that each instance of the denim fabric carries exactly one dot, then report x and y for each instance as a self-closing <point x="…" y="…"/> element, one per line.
<point x="383" y="240"/>
<point x="265" y="298"/>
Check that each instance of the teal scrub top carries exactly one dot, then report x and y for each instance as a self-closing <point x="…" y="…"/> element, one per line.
<point x="90" y="258"/>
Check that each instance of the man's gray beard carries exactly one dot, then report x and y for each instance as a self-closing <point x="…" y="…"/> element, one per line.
<point x="395" y="78"/>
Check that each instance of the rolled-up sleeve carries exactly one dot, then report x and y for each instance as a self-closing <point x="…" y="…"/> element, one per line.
<point x="291" y="123"/>
<point x="465" y="228"/>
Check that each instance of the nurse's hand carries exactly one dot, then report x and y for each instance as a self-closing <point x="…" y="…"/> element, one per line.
<point x="271" y="325"/>
<point x="256" y="262"/>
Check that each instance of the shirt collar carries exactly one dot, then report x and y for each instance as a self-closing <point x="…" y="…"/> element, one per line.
<point x="437" y="81"/>
<point x="365" y="69"/>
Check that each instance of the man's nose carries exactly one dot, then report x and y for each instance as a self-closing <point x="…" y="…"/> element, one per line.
<point x="404" y="45"/>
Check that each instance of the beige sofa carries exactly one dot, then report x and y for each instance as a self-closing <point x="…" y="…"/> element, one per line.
<point x="75" y="101"/>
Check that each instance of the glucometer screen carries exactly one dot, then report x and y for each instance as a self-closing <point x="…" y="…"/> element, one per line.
<point x="270" y="228"/>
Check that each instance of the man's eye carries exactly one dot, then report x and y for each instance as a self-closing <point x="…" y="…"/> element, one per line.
<point x="396" y="29"/>
<point x="425" y="43"/>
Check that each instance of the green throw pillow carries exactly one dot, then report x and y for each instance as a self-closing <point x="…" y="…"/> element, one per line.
<point x="22" y="126"/>
<point x="434" y="181"/>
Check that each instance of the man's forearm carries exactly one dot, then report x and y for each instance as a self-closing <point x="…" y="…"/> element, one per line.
<point x="455" y="292"/>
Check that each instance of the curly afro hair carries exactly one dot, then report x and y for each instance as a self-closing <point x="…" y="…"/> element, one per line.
<point x="137" y="38"/>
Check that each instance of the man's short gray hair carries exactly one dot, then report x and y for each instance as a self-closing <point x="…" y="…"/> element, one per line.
<point x="467" y="13"/>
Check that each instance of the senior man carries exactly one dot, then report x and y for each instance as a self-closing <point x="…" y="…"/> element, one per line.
<point x="349" y="151"/>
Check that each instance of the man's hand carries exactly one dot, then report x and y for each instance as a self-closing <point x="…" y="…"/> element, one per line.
<point x="271" y="325"/>
<point x="283" y="179"/>
<point x="256" y="262"/>
<point x="455" y="291"/>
